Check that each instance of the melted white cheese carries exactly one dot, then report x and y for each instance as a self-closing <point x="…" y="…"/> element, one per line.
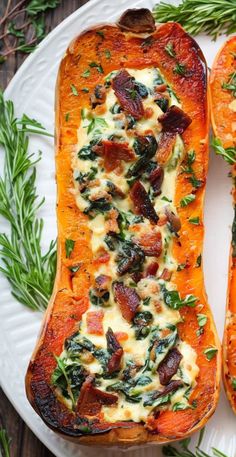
<point x="163" y="316"/>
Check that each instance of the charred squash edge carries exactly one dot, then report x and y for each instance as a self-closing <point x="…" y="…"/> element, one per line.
<point x="219" y="97"/>
<point x="58" y="322"/>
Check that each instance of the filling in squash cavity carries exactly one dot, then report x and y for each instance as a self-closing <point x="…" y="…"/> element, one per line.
<point x="127" y="360"/>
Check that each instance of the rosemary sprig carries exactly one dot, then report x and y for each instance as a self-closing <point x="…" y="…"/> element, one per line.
<point x="212" y="17"/>
<point x="22" y="26"/>
<point x="182" y="449"/>
<point x="4" y="443"/>
<point x="228" y="154"/>
<point x="29" y="271"/>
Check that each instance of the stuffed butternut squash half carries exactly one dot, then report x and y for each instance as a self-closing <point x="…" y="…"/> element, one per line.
<point x="128" y="352"/>
<point x="223" y="110"/>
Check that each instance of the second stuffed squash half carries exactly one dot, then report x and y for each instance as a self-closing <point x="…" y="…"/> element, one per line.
<point x="128" y="352"/>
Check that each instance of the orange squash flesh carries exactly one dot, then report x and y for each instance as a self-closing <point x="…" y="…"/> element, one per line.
<point x="224" y="127"/>
<point x="69" y="299"/>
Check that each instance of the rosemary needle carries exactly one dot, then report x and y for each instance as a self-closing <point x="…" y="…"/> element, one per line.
<point x="29" y="271"/>
<point x="212" y="17"/>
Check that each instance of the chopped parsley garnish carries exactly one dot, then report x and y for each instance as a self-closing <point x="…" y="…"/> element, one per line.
<point x="202" y="319"/>
<point x="74" y="90"/>
<point x="210" y="353"/>
<point x="85" y="90"/>
<point x="97" y="66"/>
<point x="86" y="73"/>
<point x="96" y="125"/>
<point x="231" y="84"/>
<point x="194" y="220"/>
<point x="180" y="69"/>
<point x="187" y="200"/>
<point x="75" y="268"/>
<point x="166" y="199"/>
<point x="100" y="33"/>
<point x="173" y="300"/>
<point x="233" y="382"/>
<point x="69" y="245"/>
<point x="107" y="53"/>
<point x="67" y="117"/>
<point x="199" y="261"/>
<point x="170" y="49"/>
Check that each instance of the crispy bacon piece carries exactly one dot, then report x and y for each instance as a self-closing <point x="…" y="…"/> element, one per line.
<point x="151" y="243"/>
<point x="175" y="120"/>
<point x="127" y="299"/>
<point x="165" y="147"/>
<point x="166" y="274"/>
<point x="113" y="152"/>
<point x="91" y="399"/>
<point x="156" y="179"/>
<point x="102" y="283"/>
<point x="114" y="348"/>
<point x="124" y="87"/>
<point x="102" y="257"/>
<point x="94" y="322"/>
<point x="137" y="20"/>
<point x="111" y="223"/>
<point x="169" y="366"/>
<point x="142" y="202"/>
<point x="152" y="269"/>
<point x="171" y="387"/>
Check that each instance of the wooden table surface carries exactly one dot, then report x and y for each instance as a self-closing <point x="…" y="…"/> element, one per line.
<point x="24" y="442"/>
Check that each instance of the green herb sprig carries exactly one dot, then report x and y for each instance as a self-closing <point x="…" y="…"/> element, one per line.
<point x="196" y="16"/>
<point x="30" y="271"/>
<point x="183" y="450"/>
<point x="228" y="154"/>
<point x="22" y="27"/>
<point x="5" y="442"/>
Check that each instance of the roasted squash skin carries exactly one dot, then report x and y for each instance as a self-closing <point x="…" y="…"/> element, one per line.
<point x="223" y="123"/>
<point x="69" y="297"/>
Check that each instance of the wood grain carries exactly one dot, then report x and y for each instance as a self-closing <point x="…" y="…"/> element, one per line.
<point x="24" y="442"/>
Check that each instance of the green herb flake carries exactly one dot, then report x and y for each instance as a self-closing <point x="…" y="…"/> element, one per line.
<point x="210" y="353"/>
<point x="196" y="183"/>
<point x="201" y="319"/>
<point x="67" y="117"/>
<point x="166" y="199"/>
<point x="85" y="90"/>
<point x="231" y="84"/>
<point x="194" y="220"/>
<point x="74" y="90"/>
<point x="180" y="69"/>
<point x="185" y="201"/>
<point x="69" y="246"/>
<point x="100" y="33"/>
<point x="199" y="261"/>
<point x="107" y="53"/>
<point x="75" y="268"/>
<point x="173" y="300"/>
<point x="180" y="406"/>
<point x="97" y="66"/>
<point x="170" y="49"/>
<point x="233" y="383"/>
<point x="181" y="266"/>
<point x="86" y="73"/>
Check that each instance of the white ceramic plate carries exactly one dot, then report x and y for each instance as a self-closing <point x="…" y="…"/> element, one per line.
<point x="32" y="90"/>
